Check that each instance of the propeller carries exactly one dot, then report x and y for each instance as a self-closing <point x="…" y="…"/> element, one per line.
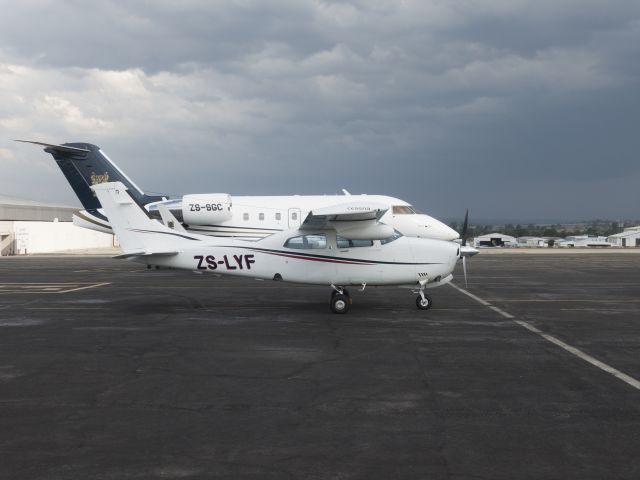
<point x="464" y="269"/>
<point x="465" y="225"/>
<point x="464" y="250"/>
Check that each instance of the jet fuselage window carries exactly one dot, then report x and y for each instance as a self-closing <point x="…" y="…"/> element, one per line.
<point x="346" y="243"/>
<point x="245" y="216"/>
<point x="312" y="241"/>
<point x="403" y="210"/>
<point x="261" y="216"/>
<point x="278" y="216"/>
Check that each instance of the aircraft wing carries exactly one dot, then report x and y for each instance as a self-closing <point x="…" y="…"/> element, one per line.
<point x="349" y="212"/>
<point x="353" y="220"/>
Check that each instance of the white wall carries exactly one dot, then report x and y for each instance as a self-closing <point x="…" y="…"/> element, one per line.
<point x="49" y="237"/>
<point x="630" y="239"/>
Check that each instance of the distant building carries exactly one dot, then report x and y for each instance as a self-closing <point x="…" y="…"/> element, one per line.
<point x="629" y="238"/>
<point x="12" y="209"/>
<point x="583" y="241"/>
<point x="33" y="227"/>
<point x="495" y="240"/>
<point x="533" y="242"/>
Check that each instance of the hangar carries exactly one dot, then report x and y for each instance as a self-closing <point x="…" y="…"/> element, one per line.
<point x="495" y="240"/>
<point x="33" y="227"/>
<point x="630" y="237"/>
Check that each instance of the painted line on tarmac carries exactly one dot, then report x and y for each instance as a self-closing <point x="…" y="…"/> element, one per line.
<point x="62" y="287"/>
<point x="95" y="285"/>
<point x="565" y="346"/>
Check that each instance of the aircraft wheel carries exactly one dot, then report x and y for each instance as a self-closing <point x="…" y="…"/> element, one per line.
<point x="340" y="303"/>
<point x="424" y="304"/>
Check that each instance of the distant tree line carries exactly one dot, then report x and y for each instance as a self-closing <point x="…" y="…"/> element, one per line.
<point x="593" y="228"/>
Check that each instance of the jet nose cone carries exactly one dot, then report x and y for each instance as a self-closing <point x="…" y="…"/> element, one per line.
<point x="432" y="228"/>
<point x="449" y="232"/>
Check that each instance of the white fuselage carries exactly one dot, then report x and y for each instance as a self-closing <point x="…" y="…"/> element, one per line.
<point x="254" y="217"/>
<point x="403" y="261"/>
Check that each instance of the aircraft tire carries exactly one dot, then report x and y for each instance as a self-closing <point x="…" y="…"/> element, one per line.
<point x="424" y="305"/>
<point x="340" y="303"/>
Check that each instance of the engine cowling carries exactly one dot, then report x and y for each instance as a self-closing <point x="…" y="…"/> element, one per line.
<point x="206" y="208"/>
<point x="358" y="231"/>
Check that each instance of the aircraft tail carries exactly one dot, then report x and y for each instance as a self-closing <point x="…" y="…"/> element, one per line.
<point x="138" y="234"/>
<point x="84" y="165"/>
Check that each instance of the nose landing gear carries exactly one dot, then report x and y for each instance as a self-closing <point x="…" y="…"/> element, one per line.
<point x="424" y="302"/>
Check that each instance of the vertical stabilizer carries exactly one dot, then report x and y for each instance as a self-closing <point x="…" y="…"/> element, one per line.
<point x="84" y="165"/>
<point x="136" y="232"/>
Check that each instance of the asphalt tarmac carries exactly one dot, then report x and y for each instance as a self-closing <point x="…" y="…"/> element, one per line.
<point x="112" y="371"/>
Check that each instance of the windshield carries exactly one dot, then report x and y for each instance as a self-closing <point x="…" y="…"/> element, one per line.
<point x="404" y="210"/>
<point x="346" y="243"/>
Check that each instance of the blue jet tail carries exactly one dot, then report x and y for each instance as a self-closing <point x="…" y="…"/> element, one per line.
<point x="84" y="165"/>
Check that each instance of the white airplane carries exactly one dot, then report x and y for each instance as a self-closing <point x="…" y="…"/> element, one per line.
<point x="249" y="217"/>
<point x="311" y="252"/>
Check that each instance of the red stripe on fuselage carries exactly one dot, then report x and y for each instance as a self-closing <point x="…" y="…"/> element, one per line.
<point x="315" y="259"/>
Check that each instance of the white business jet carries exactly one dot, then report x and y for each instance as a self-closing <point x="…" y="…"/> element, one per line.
<point x="219" y="214"/>
<point x="310" y="253"/>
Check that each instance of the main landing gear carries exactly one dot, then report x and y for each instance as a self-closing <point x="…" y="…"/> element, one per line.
<point x="340" y="300"/>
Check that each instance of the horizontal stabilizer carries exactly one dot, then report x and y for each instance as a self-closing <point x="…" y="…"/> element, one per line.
<point x="57" y="148"/>
<point x="142" y="253"/>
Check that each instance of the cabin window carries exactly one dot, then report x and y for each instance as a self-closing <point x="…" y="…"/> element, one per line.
<point x="313" y="241"/>
<point x="403" y="210"/>
<point x="278" y="216"/>
<point x="261" y="216"/>
<point x="346" y="243"/>
<point x="245" y="216"/>
<point x="396" y="235"/>
<point x="294" y="216"/>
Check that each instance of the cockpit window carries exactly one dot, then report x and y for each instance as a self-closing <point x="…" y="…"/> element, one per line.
<point x="345" y="243"/>
<point x="404" y="210"/>
<point x="318" y="240"/>
<point x="396" y="235"/>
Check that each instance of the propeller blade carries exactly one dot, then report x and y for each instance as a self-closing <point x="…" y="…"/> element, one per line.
<point x="465" y="225"/>
<point x="464" y="269"/>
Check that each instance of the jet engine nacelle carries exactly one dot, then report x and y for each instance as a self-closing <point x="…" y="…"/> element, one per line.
<point x="358" y="231"/>
<point x="206" y="208"/>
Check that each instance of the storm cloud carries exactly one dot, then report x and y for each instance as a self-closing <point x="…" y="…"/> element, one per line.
<point x="518" y="110"/>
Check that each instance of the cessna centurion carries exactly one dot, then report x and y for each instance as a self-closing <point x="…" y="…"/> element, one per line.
<point x="248" y="217"/>
<point x="308" y="252"/>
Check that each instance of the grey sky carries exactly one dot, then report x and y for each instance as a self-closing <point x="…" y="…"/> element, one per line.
<point x="518" y="110"/>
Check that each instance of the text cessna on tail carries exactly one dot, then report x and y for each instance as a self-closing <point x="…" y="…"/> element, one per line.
<point x="219" y="214"/>
<point x="311" y="253"/>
